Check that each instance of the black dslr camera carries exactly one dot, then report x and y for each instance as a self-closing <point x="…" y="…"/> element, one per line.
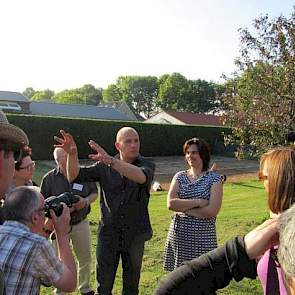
<point x="54" y="203"/>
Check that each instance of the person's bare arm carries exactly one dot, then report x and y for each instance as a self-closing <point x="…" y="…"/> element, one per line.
<point x="128" y="170"/>
<point x="68" y="280"/>
<point x="262" y="238"/>
<point x="212" y="209"/>
<point x="67" y="142"/>
<point x="176" y="204"/>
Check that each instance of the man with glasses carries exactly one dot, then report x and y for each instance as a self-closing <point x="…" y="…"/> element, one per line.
<point x="24" y="170"/>
<point x="26" y="258"/>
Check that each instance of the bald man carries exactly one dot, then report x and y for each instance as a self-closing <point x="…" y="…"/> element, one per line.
<point x="125" y="182"/>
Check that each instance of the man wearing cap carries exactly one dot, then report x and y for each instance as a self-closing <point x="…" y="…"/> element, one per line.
<point x="12" y="140"/>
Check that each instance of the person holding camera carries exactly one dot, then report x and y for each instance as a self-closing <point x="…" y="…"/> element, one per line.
<point x="55" y="183"/>
<point x="125" y="182"/>
<point x="28" y="259"/>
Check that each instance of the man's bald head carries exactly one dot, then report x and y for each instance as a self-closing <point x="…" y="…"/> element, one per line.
<point x="127" y="144"/>
<point x="123" y="131"/>
<point x="59" y="152"/>
<point x="60" y="157"/>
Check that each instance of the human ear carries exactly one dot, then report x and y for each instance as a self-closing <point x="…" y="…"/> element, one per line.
<point x="34" y="218"/>
<point x="117" y="146"/>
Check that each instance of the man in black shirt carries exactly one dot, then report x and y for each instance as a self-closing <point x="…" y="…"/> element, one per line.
<point x="124" y="227"/>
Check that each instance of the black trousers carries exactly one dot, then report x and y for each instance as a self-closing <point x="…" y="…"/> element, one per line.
<point x="108" y="254"/>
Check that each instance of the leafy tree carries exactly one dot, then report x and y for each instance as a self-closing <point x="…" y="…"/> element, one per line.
<point x="87" y="94"/>
<point x="178" y="93"/>
<point x="92" y="95"/>
<point x="43" y="95"/>
<point x="70" y="96"/>
<point x="112" y="93"/>
<point x="173" y="92"/>
<point x="201" y="96"/>
<point x="29" y="92"/>
<point x="139" y="93"/>
<point x="261" y="95"/>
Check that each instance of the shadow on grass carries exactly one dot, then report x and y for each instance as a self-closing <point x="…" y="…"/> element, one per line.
<point x="247" y="185"/>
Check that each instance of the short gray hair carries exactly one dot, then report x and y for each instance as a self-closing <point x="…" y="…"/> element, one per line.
<point x="20" y="203"/>
<point x="286" y="251"/>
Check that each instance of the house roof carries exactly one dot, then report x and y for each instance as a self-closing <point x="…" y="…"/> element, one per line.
<point x="196" y="119"/>
<point x="12" y="96"/>
<point x="76" y="110"/>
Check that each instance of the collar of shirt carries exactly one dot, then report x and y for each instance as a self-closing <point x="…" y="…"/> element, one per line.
<point x="19" y="225"/>
<point x="58" y="170"/>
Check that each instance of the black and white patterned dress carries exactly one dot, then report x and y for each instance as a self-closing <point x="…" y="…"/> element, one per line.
<point x="189" y="237"/>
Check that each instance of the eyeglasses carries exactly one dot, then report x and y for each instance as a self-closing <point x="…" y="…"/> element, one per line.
<point x="261" y="176"/>
<point x="29" y="166"/>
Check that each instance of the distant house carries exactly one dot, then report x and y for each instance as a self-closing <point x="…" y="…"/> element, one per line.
<point x="14" y="102"/>
<point x="122" y="106"/>
<point x="18" y="103"/>
<point x="77" y="110"/>
<point x="185" y="118"/>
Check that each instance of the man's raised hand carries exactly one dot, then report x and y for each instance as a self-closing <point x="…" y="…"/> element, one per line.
<point x="101" y="154"/>
<point x="66" y="142"/>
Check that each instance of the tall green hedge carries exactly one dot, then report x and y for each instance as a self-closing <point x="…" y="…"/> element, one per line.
<point x="156" y="139"/>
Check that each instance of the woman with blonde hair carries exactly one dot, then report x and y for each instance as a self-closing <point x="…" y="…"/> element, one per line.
<point x="277" y="171"/>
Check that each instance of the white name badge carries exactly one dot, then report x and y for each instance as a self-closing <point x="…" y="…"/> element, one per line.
<point x="78" y="186"/>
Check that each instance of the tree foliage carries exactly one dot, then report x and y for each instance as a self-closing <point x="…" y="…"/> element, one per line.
<point x="29" y="92"/>
<point x="87" y="94"/>
<point x="140" y="93"/>
<point x="145" y="95"/>
<point x="261" y="96"/>
<point x="180" y="94"/>
<point x="112" y="93"/>
<point x="46" y="94"/>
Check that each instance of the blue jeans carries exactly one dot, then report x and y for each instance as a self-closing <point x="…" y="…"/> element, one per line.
<point x="108" y="255"/>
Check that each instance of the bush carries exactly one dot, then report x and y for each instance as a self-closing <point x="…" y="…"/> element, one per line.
<point x="156" y="139"/>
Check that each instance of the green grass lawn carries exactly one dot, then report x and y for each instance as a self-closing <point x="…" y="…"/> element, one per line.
<point x="244" y="206"/>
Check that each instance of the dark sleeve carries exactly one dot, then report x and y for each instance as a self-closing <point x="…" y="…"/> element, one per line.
<point x="45" y="187"/>
<point x="92" y="188"/>
<point x="90" y="173"/>
<point x="211" y="271"/>
<point x="148" y="168"/>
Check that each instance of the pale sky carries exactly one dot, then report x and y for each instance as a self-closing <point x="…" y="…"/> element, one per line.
<point x="62" y="44"/>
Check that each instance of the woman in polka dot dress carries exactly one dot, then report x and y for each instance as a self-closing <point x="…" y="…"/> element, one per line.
<point x="195" y="195"/>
